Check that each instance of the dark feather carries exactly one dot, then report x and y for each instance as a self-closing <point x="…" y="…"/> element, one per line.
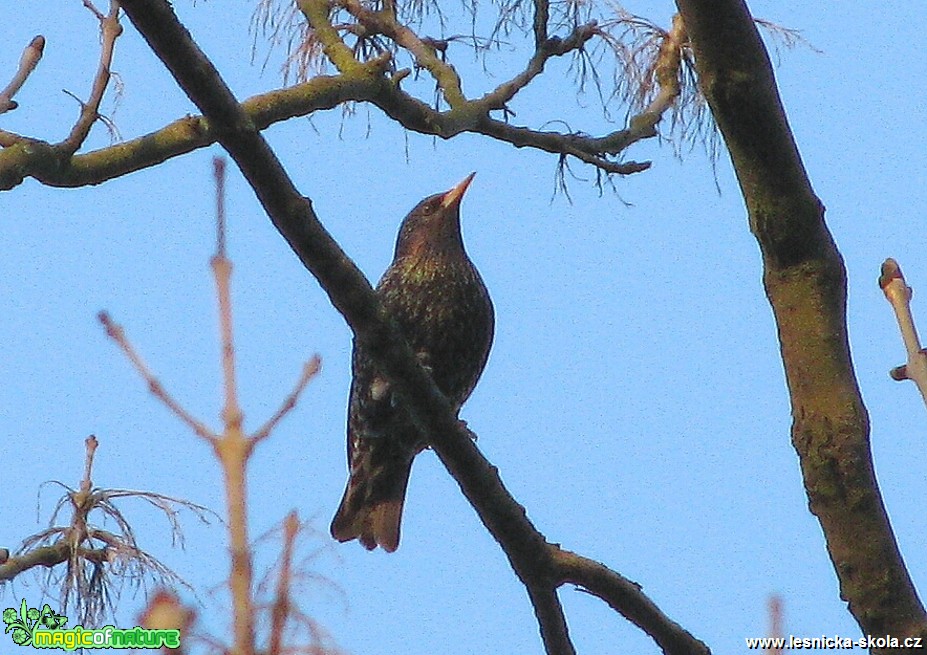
<point x="436" y="296"/>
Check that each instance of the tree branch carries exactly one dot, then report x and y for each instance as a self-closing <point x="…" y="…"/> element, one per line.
<point x="805" y="282"/>
<point x="26" y="157"/>
<point x="48" y="556"/>
<point x="384" y="22"/>
<point x="57" y="164"/>
<point x="110" y="29"/>
<point x="625" y="597"/>
<point x="898" y="294"/>
<point x="530" y="555"/>
<point x="32" y="54"/>
<point x="553" y="47"/>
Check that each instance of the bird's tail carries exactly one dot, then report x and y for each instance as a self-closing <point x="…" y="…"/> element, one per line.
<point x="371" y="509"/>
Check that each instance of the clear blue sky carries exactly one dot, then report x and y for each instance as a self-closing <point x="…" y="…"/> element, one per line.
<point x="634" y="400"/>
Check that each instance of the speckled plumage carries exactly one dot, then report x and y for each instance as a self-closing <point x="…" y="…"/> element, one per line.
<point x="440" y="303"/>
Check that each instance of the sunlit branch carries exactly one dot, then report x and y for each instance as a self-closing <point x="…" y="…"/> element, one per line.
<point x="32" y="54"/>
<point x="117" y="334"/>
<point x="110" y="29"/>
<point x="805" y="280"/>
<point x="23" y="157"/>
<point x="898" y="294"/>
<point x="384" y="22"/>
<point x="552" y="47"/>
<point x="367" y="81"/>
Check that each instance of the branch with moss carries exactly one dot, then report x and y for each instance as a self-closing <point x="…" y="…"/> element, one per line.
<point x="805" y="281"/>
<point x="384" y="22"/>
<point x="24" y="157"/>
<point x="535" y="561"/>
<point x="475" y="115"/>
<point x="369" y="81"/>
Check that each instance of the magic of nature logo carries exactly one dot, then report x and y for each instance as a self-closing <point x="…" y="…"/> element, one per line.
<point x="46" y="629"/>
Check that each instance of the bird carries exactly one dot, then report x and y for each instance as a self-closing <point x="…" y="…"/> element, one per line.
<point x="438" y="300"/>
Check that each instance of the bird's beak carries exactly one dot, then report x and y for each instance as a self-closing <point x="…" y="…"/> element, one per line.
<point x="453" y="196"/>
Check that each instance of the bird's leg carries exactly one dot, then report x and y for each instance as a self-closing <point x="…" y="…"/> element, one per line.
<point x="463" y="425"/>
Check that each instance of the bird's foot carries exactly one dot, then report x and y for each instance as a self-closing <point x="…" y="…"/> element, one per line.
<point x="463" y="425"/>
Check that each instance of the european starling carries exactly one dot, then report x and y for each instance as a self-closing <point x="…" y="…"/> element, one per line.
<point x="437" y="298"/>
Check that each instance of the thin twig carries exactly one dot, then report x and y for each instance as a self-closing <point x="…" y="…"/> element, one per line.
<point x="281" y="606"/>
<point x="310" y="370"/>
<point x="233" y="448"/>
<point x="32" y="54"/>
<point x="554" y="47"/>
<point x="899" y="294"/>
<point x="117" y="334"/>
<point x="384" y="22"/>
<point x="110" y="29"/>
<point x="218" y="167"/>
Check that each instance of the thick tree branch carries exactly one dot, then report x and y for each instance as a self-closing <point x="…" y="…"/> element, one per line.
<point x="24" y="157"/>
<point x="805" y="281"/>
<point x="531" y="556"/>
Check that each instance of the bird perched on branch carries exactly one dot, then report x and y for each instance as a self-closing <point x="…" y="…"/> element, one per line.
<point x="437" y="298"/>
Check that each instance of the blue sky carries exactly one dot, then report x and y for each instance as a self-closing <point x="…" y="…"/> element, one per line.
<point x="634" y="400"/>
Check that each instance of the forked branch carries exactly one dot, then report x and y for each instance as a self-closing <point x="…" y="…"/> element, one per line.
<point x="371" y="81"/>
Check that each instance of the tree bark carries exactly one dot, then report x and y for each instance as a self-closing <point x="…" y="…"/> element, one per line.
<point x="805" y="281"/>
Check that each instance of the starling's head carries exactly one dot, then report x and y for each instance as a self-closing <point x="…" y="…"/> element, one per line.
<point x="433" y="225"/>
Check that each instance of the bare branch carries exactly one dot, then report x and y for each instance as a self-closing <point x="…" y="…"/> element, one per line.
<point x="97" y="561"/>
<point x="549" y="613"/>
<point x="317" y="13"/>
<point x="310" y="370"/>
<point x="110" y="29"/>
<point x="898" y="294"/>
<point x="117" y="334"/>
<point x="541" y="18"/>
<point x="47" y="556"/>
<point x="281" y="606"/>
<point x="23" y="157"/>
<point x="359" y="81"/>
<point x="553" y="47"/>
<point x="626" y="597"/>
<point x="384" y="22"/>
<point x="90" y="446"/>
<point x="32" y="54"/>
